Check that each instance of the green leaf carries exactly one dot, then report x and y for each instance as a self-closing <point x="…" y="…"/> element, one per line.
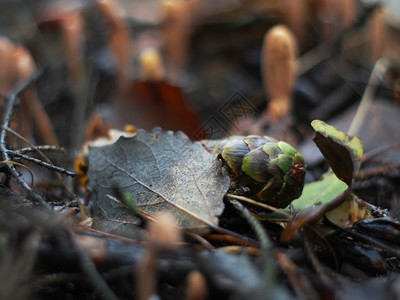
<point x="319" y="192"/>
<point x="342" y="152"/>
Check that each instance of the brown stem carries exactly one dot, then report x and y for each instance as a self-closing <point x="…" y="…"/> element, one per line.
<point x="31" y="106"/>
<point x="31" y="103"/>
<point x="72" y="29"/>
<point x="118" y="41"/>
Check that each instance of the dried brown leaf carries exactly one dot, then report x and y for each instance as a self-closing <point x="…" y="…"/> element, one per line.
<point x="162" y="171"/>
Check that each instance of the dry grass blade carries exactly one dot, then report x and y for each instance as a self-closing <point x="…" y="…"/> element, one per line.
<point x="259" y="204"/>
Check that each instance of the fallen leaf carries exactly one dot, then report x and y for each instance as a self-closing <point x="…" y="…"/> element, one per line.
<point x="162" y="171"/>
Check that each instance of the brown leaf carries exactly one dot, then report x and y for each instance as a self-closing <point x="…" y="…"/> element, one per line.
<point x="162" y="171"/>
<point x="167" y="104"/>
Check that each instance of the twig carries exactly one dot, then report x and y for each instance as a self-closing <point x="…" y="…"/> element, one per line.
<point x="378" y="151"/>
<point x="380" y="66"/>
<point x="362" y="175"/>
<point x="42" y="163"/>
<point x="49" y="165"/>
<point x="40" y="148"/>
<point x="394" y="251"/>
<point x="32" y="148"/>
<point x="265" y="242"/>
<point x="22" y="166"/>
<point x="12" y="98"/>
<point x="84" y="211"/>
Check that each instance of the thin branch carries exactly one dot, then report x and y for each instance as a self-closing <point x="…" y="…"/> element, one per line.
<point x="42" y="163"/>
<point x="262" y="205"/>
<point x="265" y="242"/>
<point x="47" y="148"/>
<point x="39" y="149"/>
<point x="84" y="211"/>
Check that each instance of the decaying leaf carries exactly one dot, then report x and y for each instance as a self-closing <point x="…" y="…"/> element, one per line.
<point x="162" y="170"/>
<point x="342" y="152"/>
<point x="352" y="210"/>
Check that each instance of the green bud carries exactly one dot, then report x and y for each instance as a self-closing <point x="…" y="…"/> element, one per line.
<point x="274" y="165"/>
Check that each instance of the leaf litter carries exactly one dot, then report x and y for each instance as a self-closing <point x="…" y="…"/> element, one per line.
<point x="162" y="171"/>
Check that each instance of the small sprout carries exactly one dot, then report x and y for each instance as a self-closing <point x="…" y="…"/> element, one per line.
<point x="335" y="16"/>
<point x="176" y="34"/>
<point x="151" y="65"/>
<point x="95" y="127"/>
<point x="119" y="40"/>
<point x="196" y="288"/>
<point x="72" y="28"/>
<point x="296" y="15"/>
<point x="130" y="128"/>
<point x="278" y="68"/>
<point x="376" y="32"/>
<point x="164" y="232"/>
<point x="94" y="246"/>
<point x="130" y="202"/>
<point x="347" y="12"/>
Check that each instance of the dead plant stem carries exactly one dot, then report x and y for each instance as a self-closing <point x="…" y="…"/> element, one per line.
<point x="368" y="96"/>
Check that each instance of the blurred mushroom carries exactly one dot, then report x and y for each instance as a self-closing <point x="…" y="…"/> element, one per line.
<point x="278" y="70"/>
<point x="176" y="33"/>
<point x="334" y="16"/>
<point x="18" y="67"/>
<point x="151" y="65"/>
<point x="163" y="234"/>
<point x="68" y="21"/>
<point x="72" y="28"/>
<point x="119" y="40"/>
<point x="196" y="288"/>
<point x="376" y="32"/>
<point x="295" y="14"/>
